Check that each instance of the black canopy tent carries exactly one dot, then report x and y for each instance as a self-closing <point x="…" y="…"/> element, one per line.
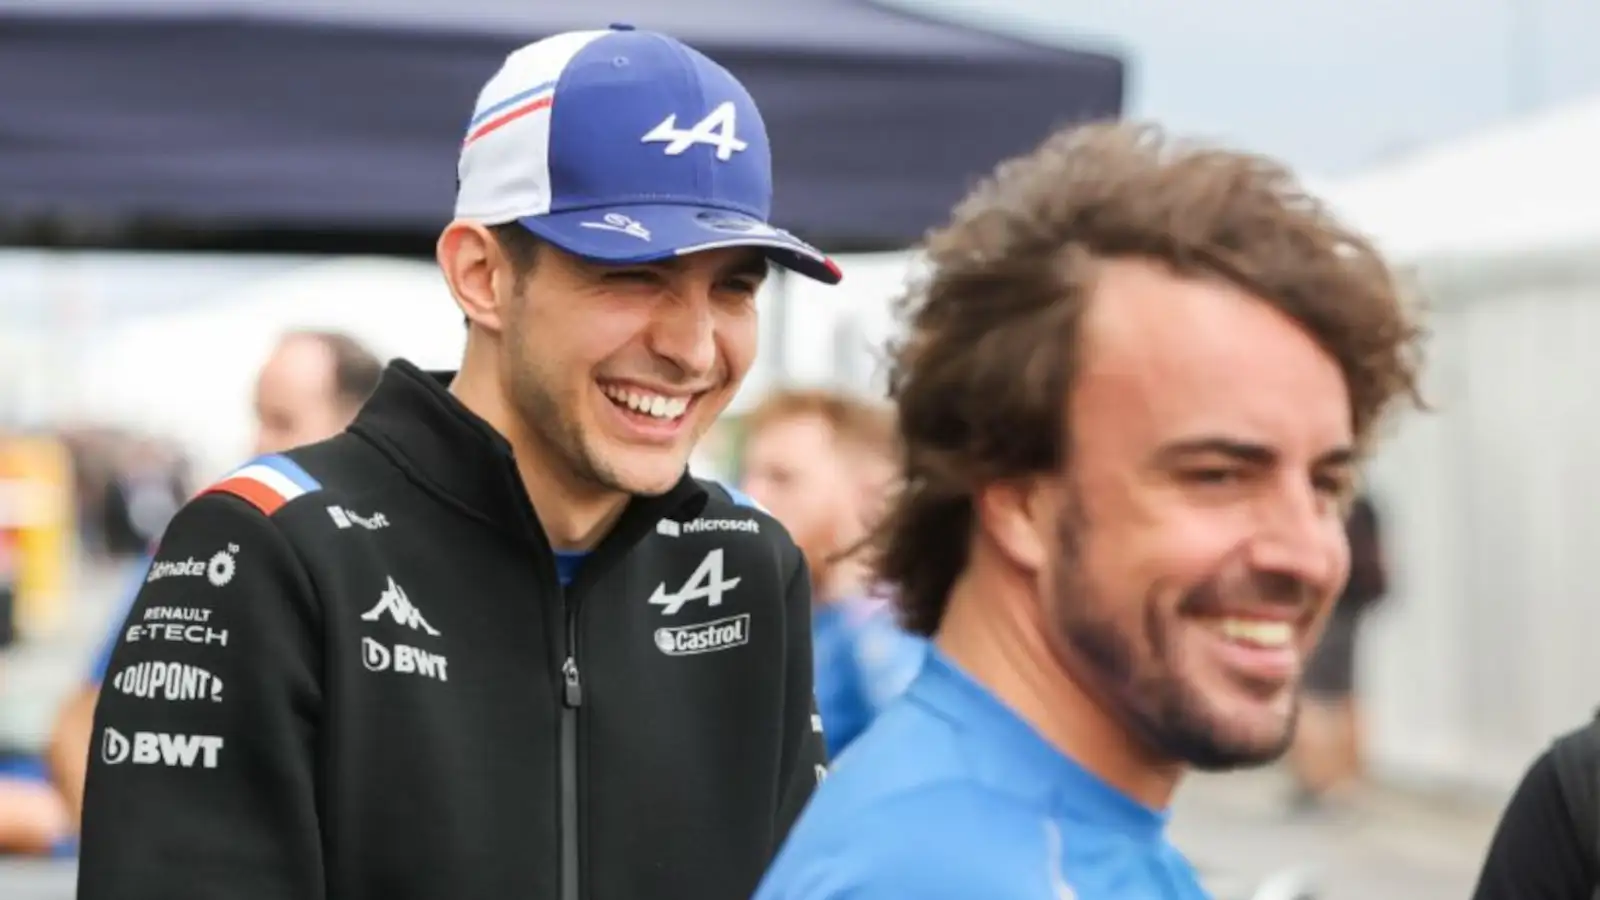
<point x="333" y="124"/>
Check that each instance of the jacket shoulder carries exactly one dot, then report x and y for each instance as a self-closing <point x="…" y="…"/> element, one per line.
<point x="727" y="493"/>
<point x="267" y="483"/>
<point x="729" y="509"/>
<point x="338" y="469"/>
<point x="726" y="501"/>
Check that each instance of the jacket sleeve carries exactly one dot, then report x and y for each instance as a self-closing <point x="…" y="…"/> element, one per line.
<point x="804" y="758"/>
<point x="202" y="781"/>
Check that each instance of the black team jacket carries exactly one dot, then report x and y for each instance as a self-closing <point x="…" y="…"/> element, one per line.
<point x="352" y="673"/>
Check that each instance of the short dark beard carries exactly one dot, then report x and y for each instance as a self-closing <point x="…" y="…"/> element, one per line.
<point x="1158" y="708"/>
<point x="540" y="410"/>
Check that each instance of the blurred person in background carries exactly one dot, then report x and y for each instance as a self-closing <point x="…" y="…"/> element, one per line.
<point x="496" y="640"/>
<point x="1327" y="755"/>
<point x="88" y="487"/>
<point x="96" y="455"/>
<point x="141" y="497"/>
<point x="822" y="463"/>
<point x="1137" y="380"/>
<point x="308" y="390"/>
<point x="14" y="487"/>
<point x="33" y="819"/>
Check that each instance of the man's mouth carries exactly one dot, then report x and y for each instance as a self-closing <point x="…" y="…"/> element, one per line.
<point x="1271" y="634"/>
<point x="1263" y="650"/>
<point x="641" y="402"/>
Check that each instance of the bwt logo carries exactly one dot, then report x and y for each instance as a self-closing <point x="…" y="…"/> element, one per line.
<point x="152" y="748"/>
<point x="378" y="658"/>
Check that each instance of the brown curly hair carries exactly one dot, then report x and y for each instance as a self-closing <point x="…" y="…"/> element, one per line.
<point x="992" y="321"/>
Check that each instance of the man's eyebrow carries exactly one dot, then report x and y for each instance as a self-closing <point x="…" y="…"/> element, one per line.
<point x="1245" y="451"/>
<point x="751" y="265"/>
<point x="1233" y="448"/>
<point x="754" y="265"/>
<point x="1338" y="457"/>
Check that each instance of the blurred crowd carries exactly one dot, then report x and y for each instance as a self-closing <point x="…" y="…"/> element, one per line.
<point x="126" y="486"/>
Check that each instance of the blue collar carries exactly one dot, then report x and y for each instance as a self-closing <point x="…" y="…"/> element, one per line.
<point x="1014" y="755"/>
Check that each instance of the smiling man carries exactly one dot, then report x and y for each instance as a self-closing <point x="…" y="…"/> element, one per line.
<point x="494" y="641"/>
<point x="1135" y="387"/>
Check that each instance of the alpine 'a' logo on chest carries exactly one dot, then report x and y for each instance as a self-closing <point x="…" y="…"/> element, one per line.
<point x="707" y="583"/>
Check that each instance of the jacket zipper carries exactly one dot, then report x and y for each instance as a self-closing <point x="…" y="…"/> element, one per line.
<point x="571" y="700"/>
<point x="636" y="520"/>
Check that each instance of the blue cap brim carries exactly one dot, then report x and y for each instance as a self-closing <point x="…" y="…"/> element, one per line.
<point x="653" y="232"/>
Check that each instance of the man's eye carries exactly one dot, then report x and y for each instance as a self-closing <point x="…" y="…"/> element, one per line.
<point x="1212" y="476"/>
<point x="633" y="276"/>
<point x="1334" y="485"/>
<point x="743" y="286"/>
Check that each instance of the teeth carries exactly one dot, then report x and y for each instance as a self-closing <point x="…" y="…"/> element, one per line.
<point x="1257" y="631"/>
<point x="655" y="405"/>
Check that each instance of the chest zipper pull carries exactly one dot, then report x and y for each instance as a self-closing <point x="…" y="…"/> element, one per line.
<point x="573" y="694"/>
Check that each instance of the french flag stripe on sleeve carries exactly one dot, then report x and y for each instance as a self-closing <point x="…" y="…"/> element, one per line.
<point x="267" y="483"/>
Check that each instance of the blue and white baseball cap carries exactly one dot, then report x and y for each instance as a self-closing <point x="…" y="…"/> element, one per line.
<point x="625" y="146"/>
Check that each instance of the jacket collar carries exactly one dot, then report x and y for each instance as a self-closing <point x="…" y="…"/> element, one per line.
<point x="414" y="420"/>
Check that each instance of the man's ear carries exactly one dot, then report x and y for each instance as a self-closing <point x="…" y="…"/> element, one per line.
<point x="1018" y="517"/>
<point x="476" y="271"/>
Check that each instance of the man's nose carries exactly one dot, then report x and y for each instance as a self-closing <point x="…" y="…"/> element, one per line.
<point x="685" y="331"/>
<point x="1298" y="540"/>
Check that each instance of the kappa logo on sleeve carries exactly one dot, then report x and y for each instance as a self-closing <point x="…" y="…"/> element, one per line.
<point x="156" y="748"/>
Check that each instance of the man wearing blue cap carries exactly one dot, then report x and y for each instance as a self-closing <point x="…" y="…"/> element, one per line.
<point x="494" y="640"/>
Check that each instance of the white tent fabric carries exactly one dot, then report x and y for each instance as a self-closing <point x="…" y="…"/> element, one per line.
<point x="24" y="376"/>
<point x="190" y="375"/>
<point x="1491" y="514"/>
<point x="1530" y="185"/>
<point x="828" y="335"/>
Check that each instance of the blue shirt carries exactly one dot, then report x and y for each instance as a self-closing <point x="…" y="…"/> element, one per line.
<point x="102" y="657"/>
<point x="951" y="796"/>
<point x="567" y="564"/>
<point x="863" y="661"/>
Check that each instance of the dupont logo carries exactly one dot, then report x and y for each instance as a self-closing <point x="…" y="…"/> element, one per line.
<point x="707" y="637"/>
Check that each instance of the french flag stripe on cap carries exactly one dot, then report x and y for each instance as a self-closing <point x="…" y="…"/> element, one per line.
<point x="267" y="483"/>
<point x="498" y="122"/>
<point x="527" y="96"/>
